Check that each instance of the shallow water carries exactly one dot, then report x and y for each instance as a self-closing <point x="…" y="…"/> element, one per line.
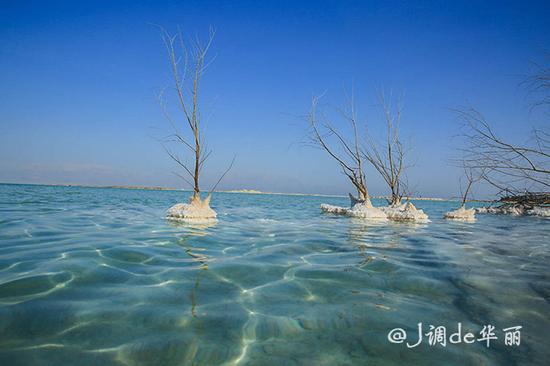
<point x="97" y="276"/>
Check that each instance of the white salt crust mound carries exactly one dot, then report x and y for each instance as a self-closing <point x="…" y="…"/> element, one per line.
<point x="508" y="210"/>
<point x="405" y="212"/>
<point x="540" y="211"/>
<point x="337" y="210"/>
<point x="361" y="210"/>
<point x="367" y="211"/>
<point x="461" y="214"/>
<point x="196" y="210"/>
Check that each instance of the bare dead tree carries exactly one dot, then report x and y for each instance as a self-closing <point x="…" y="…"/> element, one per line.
<point x="472" y="176"/>
<point x="345" y="150"/>
<point x="188" y="63"/>
<point x="511" y="168"/>
<point x="388" y="158"/>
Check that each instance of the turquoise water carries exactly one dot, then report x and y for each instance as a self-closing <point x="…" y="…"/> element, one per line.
<point x="98" y="277"/>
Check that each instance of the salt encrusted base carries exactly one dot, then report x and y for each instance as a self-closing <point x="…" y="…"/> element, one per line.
<point x="405" y="212"/>
<point x="461" y="214"/>
<point x="337" y="210"/>
<point x="361" y="210"/>
<point x="367" y="211"/>
<point x="196" y="210"/>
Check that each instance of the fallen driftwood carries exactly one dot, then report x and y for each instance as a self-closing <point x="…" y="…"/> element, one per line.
<point x="515" y="210"/>
<point x="528" y="199"/>
<point x="533" y="204"/>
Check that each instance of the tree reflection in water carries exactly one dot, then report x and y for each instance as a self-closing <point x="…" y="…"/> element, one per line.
<point x="363" y="235"/>
<point x="193" y="230"/>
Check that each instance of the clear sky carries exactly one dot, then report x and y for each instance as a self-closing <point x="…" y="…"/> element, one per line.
<point x="79" y="82"/>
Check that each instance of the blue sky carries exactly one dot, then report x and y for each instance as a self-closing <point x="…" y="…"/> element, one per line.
<point x="79" y="85"/>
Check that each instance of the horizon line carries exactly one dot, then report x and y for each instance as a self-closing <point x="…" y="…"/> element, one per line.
<point x="234" y="191"/>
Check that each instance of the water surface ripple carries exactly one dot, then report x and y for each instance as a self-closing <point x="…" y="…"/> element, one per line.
<point x="94" y="276"/>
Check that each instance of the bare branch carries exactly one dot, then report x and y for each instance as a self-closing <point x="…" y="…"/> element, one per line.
<point x="538" y="84"/>
<point x="194" y="63"/>
<point x="346" y="153"/>
<point x="512" y="168"/>
<point x="223" y="175"/>
<point x="388" y="158"/>
<point x="183" y="178"/>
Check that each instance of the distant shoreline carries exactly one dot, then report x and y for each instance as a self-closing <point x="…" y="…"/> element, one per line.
<point x="236" y="191"/>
